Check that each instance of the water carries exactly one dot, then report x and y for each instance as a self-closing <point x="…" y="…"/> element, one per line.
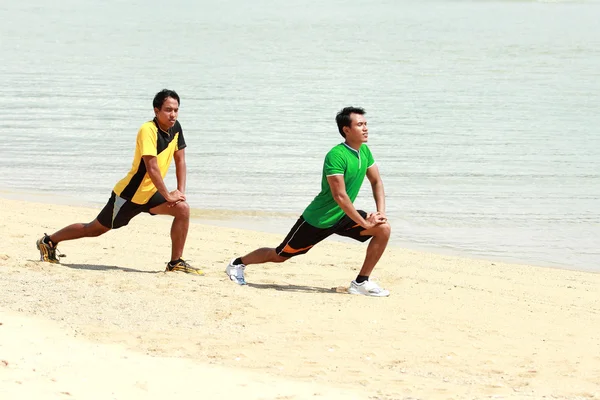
<point x="483" y="115"/>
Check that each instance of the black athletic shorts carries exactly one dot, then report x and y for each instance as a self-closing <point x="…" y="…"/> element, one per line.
<point x="303" y="236"/>
<point x="118" y="211"/>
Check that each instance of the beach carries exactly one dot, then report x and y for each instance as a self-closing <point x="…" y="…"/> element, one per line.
<point x="481" y="121"/>
<point x="110" y="323"/>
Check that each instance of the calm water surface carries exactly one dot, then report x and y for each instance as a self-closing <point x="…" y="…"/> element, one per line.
<point x="483" y="115"/>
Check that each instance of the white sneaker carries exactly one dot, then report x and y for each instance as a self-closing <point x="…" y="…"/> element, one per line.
<point x="236" y="272"/>
<point x="367" y="288"/>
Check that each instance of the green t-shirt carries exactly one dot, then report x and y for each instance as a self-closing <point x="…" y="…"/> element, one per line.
<point x="324" y="212"/>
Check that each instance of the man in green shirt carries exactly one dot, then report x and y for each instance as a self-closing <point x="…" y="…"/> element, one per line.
<point x="332" y="210"/>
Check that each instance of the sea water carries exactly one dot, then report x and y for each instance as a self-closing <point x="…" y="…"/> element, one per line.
<point x="483" y="115"/>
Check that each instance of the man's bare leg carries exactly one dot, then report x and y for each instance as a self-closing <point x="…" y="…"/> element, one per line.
<point x="381" y="236"/>
<point x="361" y="285"/>
<point x="78" y="231"/>
<point x="47" y="244"/>
<point x="180" y="226"/>
<point x="261" y="256"/>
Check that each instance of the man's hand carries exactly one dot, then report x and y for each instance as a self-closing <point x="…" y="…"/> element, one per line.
<point x="175" y="197"/>
<point x="374" y="219"/>
<point x="381" y="216"/>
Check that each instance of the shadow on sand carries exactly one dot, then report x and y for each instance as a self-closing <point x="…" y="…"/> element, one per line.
<point x="93" y="267"/>
<point x="297" y="288"/>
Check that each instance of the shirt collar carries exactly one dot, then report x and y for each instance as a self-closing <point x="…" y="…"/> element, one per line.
<point x="351" y="149"/>
<point x="168" y="132"/>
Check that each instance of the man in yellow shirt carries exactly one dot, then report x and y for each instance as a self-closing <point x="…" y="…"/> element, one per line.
<point x="143" y="189"/>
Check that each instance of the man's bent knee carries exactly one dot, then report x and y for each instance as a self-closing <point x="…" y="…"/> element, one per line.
<point x="380" y="230"/>
<point x="181" y="210"/>
<point x="384" y="229"/>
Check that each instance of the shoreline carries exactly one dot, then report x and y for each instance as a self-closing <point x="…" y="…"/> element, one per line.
<point x="279" y="223"/>
<point x="452" y="327"/>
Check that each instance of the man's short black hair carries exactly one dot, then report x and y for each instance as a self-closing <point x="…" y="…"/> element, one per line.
<point x="343" y="117"/>
<point x="161" y="96"/>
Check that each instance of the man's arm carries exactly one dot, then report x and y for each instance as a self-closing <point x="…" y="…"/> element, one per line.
<point x="377" y="187"/>
<point x="338" y="190"/>
<point x="180" y="169"/>
<point x="157" y="180"/>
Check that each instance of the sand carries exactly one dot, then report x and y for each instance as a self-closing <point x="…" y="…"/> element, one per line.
<point x="108" y="323"/>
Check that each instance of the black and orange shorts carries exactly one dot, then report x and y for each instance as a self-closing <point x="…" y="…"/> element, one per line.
<point x="303" y="236"/>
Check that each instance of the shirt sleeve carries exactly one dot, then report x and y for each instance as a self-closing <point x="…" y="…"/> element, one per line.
<point x="334" y="164"/>
<point x="370" y="159"/>
<point x="180" y="139"/>
<point x="146" y="141"/>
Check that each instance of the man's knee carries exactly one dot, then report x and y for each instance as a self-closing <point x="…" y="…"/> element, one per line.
<point x="181" y="210"/>
<point x="384" y="230"/>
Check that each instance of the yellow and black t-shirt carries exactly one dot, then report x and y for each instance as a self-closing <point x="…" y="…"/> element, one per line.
<point x="137" y="186"/>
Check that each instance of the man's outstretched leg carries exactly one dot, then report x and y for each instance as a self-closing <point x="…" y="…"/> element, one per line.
<point x="300" y="239"/>
<point x="47" y="244"/>
<point x="179" y="231"/>
<point x="361" y="285"/>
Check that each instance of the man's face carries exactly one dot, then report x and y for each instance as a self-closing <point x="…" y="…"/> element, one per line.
<point x="167" y="115"/>
<point x="357" y="132"/>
